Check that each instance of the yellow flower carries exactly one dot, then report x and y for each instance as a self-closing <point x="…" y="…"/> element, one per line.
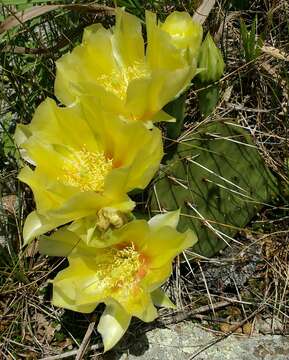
<point x="84" y="161"/>
<point x="126" y="275"/>
<point x="114" y="66"/>
<point x="184" y="33"/>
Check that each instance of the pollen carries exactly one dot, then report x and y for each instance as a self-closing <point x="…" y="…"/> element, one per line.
<point x="87" y="170"/>
<point x="118" y="80"/>
<point x="117" y="272"/>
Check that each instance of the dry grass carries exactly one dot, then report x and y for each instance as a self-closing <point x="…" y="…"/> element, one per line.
<point x="243" y="289"/>
<point x="254" y="272"/>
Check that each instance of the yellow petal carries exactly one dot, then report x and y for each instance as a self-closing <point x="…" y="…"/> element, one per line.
<point x="161" y="52"/>
<point x="137" y="99"/>
<point x="170" y="218"/>
<point x="68" y="286"/>
<point x="35" y="225"/>
<point x="137" y="302"/>
<point x="147" y="161"/>
<point x="149" y="311"/>
<point x="86" y="63"/>
<point x="162" y="116"/>
<point x="166" y="243"/>
<point x="22" y="133"/>
<point x="136" y="231"/>
<point x="79" y="206"/>
<point x="160" y="298"/>
<point x="60" y="243"/>
<point x="101" y="99"/>
<point x="184" y="32"/>
<point x="43" y="155"/>
<point x="166" y="86"/>
<point x="128" y="38"/>
<point x="52" y="124"/>
<point x="88" y="203"/>
<point x="86" y="309"/>
<point x="86" y="230"/>
<point x="96" y="38"/>
<point x="156" y="277"/>
<point x="61" y="299"/>
<point x="112" y="325"/>
<point x="43" y="197"/>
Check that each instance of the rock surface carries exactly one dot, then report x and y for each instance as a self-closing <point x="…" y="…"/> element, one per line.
<point x="183" y="341"/>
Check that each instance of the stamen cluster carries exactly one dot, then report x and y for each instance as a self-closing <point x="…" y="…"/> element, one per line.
<point x="86" y="170"/>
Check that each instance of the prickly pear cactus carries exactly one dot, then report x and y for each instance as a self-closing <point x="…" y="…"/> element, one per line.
<point x="220" y="182"/>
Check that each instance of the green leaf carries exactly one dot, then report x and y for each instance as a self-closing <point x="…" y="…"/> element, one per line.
<point x="251" y="42"/>
<point x="14" y="2"/>
<point x="240" y="4"/>
<point x="8" y="147"/>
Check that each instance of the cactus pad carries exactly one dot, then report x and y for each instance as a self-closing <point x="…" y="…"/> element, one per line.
<point x="220" y="182"/>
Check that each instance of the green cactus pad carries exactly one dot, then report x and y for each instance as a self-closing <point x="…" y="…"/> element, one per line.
<point x="220" y="182"/>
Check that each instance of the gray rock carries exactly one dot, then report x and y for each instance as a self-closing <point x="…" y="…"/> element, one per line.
<point x="182" y="341"/>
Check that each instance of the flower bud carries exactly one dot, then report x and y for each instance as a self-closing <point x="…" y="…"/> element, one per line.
<point x="184" y="32"/>
<point x="210" y="62"/>
<point x="110" y="217"/>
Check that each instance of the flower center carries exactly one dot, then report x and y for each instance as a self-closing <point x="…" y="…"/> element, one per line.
<point x="117" y="81"/>
<point x="119" y="271"/>
<point x="87" y="170"/>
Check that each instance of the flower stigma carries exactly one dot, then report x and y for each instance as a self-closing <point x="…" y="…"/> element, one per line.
<point x="118" y="272"/>
<point x="118" y="80"/>
<point x="87" y="170"/>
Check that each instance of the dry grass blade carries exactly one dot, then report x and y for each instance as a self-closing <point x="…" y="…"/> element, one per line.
<point x="203" y="11"/>
<point x="186" y="315"/>
<point x="23" y="16"/>
<point x="194" y="356"/>
<point x="69" y="354"/>
<point x="86" y="339"/>
<point x="276" y="53"/>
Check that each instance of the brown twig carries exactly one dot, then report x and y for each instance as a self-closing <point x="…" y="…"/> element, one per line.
<point x="23" y="16"/>
<point x="181" y="316"/>
<point x="229" y="333"/>
<point x="71" y="353"/>
<point x="86" y="339"/>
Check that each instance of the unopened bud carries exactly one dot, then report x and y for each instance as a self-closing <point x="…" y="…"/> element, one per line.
<point x="210" y="62"/>
<point x="110" y="217"/>
<point x="185" y="32"/>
